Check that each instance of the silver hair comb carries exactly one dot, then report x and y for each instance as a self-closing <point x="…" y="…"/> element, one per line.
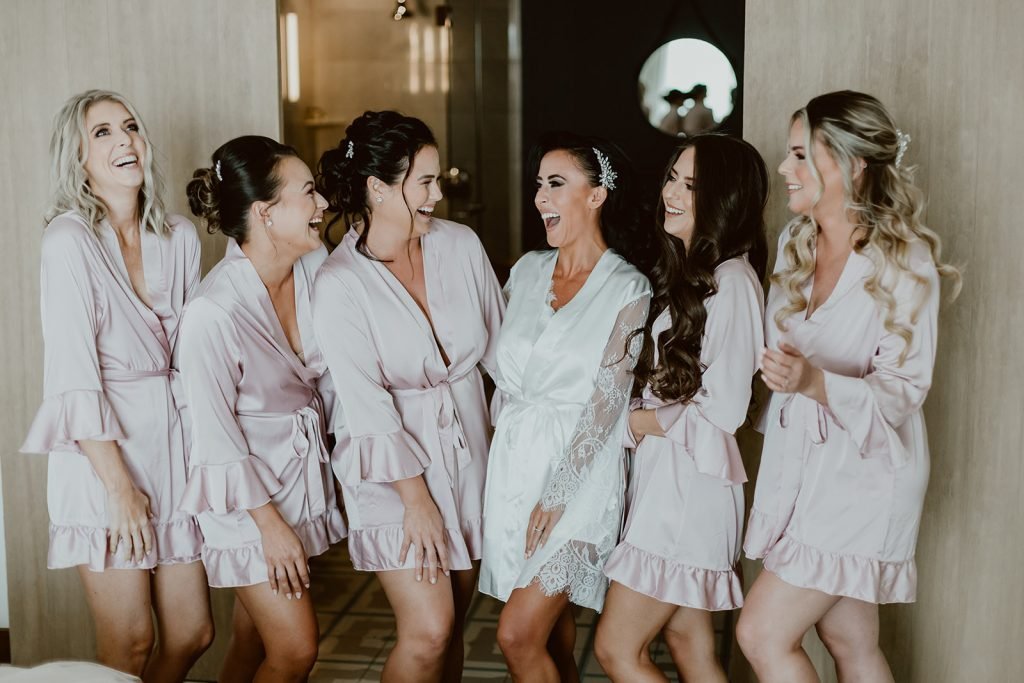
<point x="351" y="151"/>
<point x="216" y="169"/>
<point x="902" y="140"/>
<point x="608" y="176"/>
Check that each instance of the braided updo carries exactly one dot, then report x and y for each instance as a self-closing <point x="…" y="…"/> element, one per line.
<point x="380" y="144"/>
<point x="244" y="171"/>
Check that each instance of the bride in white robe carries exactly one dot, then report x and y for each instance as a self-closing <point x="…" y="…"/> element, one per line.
<point x="553" y="501"/>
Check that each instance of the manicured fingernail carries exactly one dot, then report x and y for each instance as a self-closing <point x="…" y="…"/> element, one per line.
<point x="275" y="591"/>
<point x="289" y="595"/>
<point x="306" y="584"/>
<point x="298" y="596"/>
<point x="433" y="580"/>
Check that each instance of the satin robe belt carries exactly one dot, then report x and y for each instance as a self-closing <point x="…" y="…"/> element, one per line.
<point x="307" y="440"/>
<point x="172" y="374"/>
<point x="538" y="419"/>
<point x="804" y="424"/>
<point x="437" y="404"/>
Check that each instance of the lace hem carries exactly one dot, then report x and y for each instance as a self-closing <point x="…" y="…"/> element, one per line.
<point x="577" y="569"/>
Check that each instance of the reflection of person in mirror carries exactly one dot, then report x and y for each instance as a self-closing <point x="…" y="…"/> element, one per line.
<point x="672" y="122"/>
<point x="699" y="118"/>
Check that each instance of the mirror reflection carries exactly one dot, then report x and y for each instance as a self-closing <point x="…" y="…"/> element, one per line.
<point x="687" y="86"/>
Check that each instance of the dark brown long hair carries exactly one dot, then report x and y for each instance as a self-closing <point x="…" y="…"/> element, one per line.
<point x="730" y="191"/>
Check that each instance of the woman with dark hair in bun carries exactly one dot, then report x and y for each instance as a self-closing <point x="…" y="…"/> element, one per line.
<point x="571" y="337"/>
<point x="259" y="402"/>
<point x="406" y="308"/>
<point x="675" y="564"/>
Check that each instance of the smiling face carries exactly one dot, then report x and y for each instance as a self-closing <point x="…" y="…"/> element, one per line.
<point x="298" y="211"/>
<point x="568" y="204"/>
<point x="801" y="185"/>
<point x="115" y="150"/>
<point x="418" y="191"/>
<point x="677" y="195"/>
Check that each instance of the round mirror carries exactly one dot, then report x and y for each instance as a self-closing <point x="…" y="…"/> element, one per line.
<point x="687" y="87"/>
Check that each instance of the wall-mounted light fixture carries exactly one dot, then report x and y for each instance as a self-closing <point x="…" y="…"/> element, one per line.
<point x="291" y="56"/>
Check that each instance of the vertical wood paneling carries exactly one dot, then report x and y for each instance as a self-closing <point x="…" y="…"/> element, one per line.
<point x="199" y="72"/>
<point x="943" y="69"/>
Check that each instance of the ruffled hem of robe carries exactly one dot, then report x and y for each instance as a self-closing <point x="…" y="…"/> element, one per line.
<point x="246" y="565"/>
<point x="379" y="458"/>
<point x="73" y="416"/>
<point x="378" y="548"/>
<point x="240" y="485"/>
<point x="178" y="542"/>
<point x="851" y="576"/>
<point x="674" y="582"/>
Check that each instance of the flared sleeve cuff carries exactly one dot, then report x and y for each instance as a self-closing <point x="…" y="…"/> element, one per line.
<point x="852" y="403"/>
<point x="378" y="458"/>
<point x="714" y="451"/>
<point x="629" y="439"/>
<point x="220" y="488"/>
<point x="65" y="419"/>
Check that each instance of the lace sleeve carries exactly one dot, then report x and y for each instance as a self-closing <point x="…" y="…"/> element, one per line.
<point x="604" y="409"/>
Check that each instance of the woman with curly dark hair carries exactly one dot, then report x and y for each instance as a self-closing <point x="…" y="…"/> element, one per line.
<point x="675" y="563"/>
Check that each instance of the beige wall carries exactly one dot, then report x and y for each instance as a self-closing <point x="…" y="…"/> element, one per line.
<point x="199" y="72"/>
<point x="950" y="74"/>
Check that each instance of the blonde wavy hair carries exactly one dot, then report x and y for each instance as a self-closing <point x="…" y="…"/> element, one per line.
<point x="69" y="149"/>
<point x="884" y="201"/>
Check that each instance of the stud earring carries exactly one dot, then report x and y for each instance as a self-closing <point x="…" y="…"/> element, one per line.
<point x="269" y="223"/>
<point x="380" y="199"/>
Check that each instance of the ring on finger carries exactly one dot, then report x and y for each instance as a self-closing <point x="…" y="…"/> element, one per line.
<point x="538" y="529"/>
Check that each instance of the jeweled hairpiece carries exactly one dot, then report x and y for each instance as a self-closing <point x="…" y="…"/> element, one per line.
<point x="216" y="169"/>
<point x="608" y="176"/>
<point x="902" y="140"/>
<point x="351" y="151"/>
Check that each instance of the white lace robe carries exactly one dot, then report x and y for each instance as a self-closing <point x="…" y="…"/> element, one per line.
<point x="566" y="378"/>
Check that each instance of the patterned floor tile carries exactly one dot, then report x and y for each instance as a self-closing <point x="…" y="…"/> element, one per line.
<point x="356" y="639"/>
<point x="338" y="672"/>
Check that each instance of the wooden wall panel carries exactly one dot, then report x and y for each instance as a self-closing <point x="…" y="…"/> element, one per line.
<point x="199" y="72"/>
<point x="943" y="69"/>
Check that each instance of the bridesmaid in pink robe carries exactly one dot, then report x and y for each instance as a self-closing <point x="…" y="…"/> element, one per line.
<point x="117" y="271"/>
<point x="405" y="309"/>
<point x="675" y="563"/>
<point x="260" y="479"/>
<point x="851" y="330"/>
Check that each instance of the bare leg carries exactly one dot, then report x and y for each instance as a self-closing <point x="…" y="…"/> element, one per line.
<point x="425" y="616"/>
<point x="119" y="601"/>
<point x="181" y="598"/>
<point x="772" y="626"/>
<point x="524" y="631"/>
<point x="850" y="632"/>
<point x="463" y="591"/>
<point x="289" y="632"/>
<point x="562" y="646"/>
<point x="628" y="625"/>
<point x="690" y="637"/>
<point x="245" y="650"/>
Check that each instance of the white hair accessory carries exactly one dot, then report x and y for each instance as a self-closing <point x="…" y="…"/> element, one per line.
<point x="216" y="169"/>
<point x="902" y="140"/>
<point x="608" y="176"/>
<point x="351" y="151"/>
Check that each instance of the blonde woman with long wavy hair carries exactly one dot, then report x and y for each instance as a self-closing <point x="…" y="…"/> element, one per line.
<point x="117" y="270"/>
<point x="851" y="332"/>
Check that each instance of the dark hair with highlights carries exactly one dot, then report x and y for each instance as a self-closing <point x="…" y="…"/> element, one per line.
<point x="247" y="173"/>
<point x="380" y="144"/>
<point x="730" y="191"/>
<point x="620" y="222"/>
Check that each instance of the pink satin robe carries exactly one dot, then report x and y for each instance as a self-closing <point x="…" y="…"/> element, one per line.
<point x="108" y="376"/>
<point x="259" y="416"/>
<point x="684" y="517"/>
<point x="839" y="495"/>
<point x="405" y="413"/>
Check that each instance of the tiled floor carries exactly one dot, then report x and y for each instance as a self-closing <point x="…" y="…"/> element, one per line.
<point x="358" y="630"/>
